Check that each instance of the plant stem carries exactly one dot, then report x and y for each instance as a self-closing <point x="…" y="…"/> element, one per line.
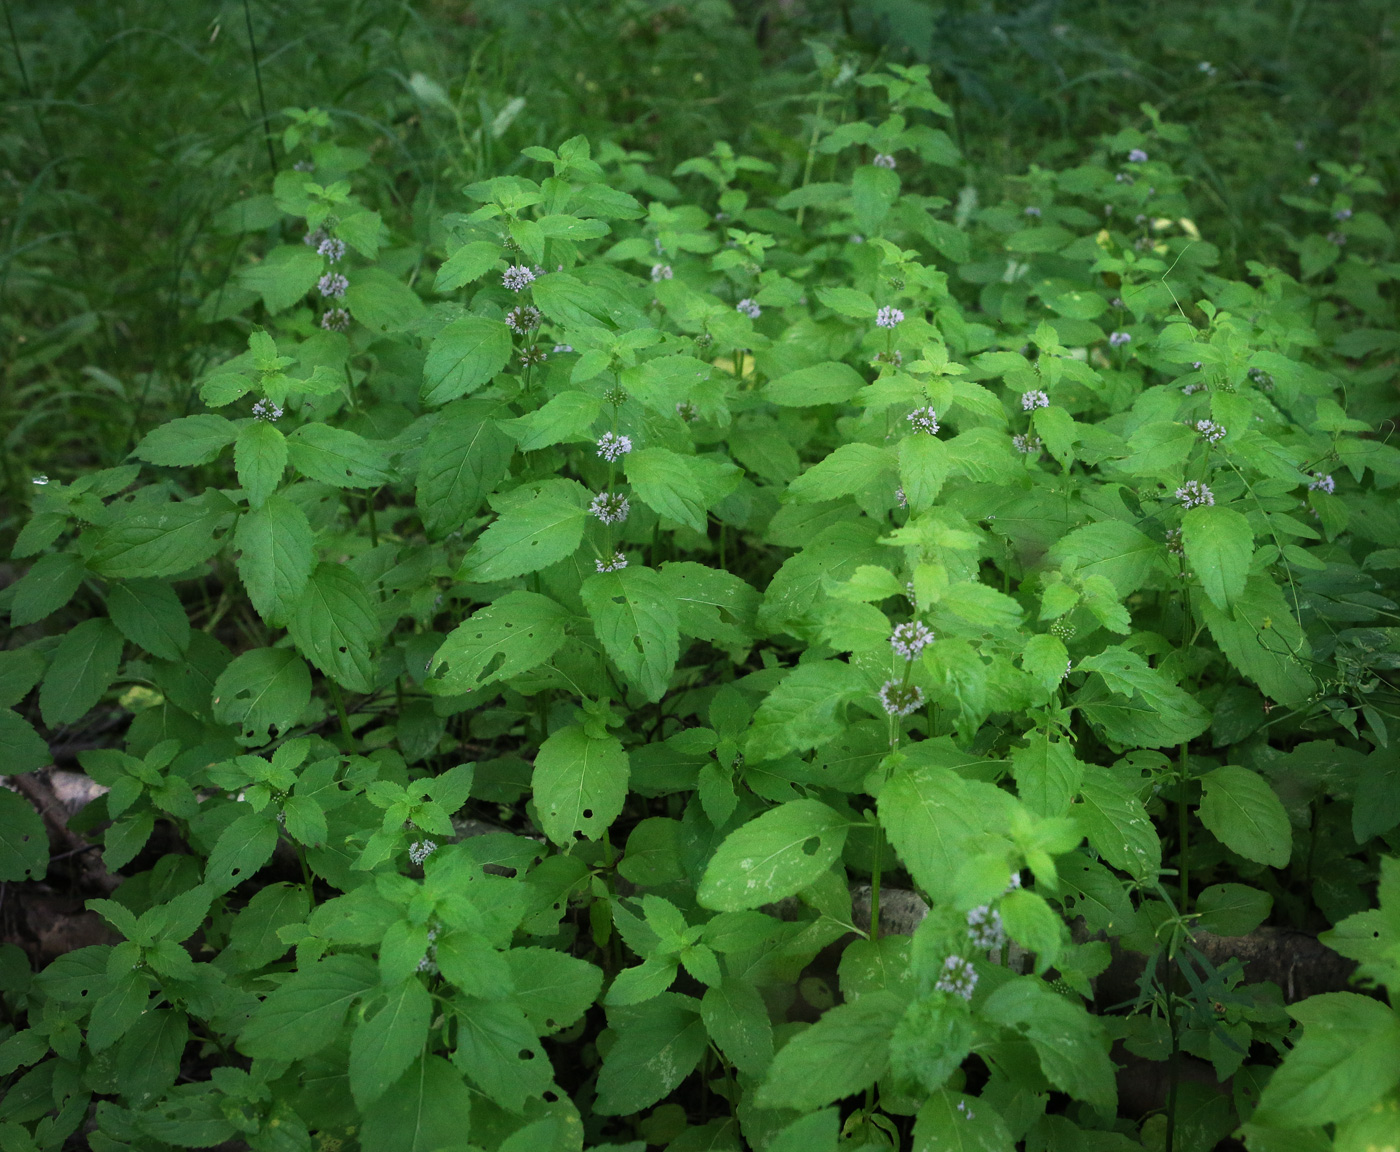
<point x="339" y="700"/>
<point x="262" y="99"/>
<point x="879" y="851"/>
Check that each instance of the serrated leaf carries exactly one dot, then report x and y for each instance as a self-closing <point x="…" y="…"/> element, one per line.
<point x="1047" y="774"/>
<point x="262" y="689"/>
<point x="242" y="848"/>
<point x="469" y="262"/>
<point x="498" y="1049"/>
<point x="843" y="1053"/>
<point x="284" y="276"/>
<point x="276" y="555"/>
<point x="465" y="457"/>
<point x="162" y="541"/>
<point x="464" y="355"/>
<point x="83" y="667"/>
<point x="530" y="534"/>
<point x="338" y="457"/>
<point x="46" y="587"/>
<point x="24" y="844"/>
<point x="1246" y="815"/>
<point x="851" y="468"/>
<point x="260" y="456"/>
<point x="776" y="855"/>
<point x="1117" y="824"/>
<point x="22" y="749"/>
<point x="1071" y="1044"/>
<point x="305" y="1013"/>
<point x="385" y="1044"/>
<point x="186" y="442"/>
<point x="552" y="988"/>
<point x="737" y="1020"/>
<point x="680" y="487"/>
<point x="1219" y="545"/>
<point x="636" y="621"/>
<point x="511" y="635"/>
<point x="659" y="1043"/>
<point x="428" y="1109"/>
<point x="830" y="382"/>
<point x="334" y="624"/>
<point x="580" y="784"/>
<point x="148" y="613"/>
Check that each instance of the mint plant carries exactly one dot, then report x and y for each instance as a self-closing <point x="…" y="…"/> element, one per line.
<point x="578" y="614"/>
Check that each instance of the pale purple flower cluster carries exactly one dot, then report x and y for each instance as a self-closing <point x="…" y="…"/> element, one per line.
<point x="749" y="308"/>
<point x="924" y="420"/>
<point x="687" y="411"/>
<point x="612" y="447"/>
<point x="1029" y="445"/>
<point x="1118" y="339"/>
<point x="1342" y="214"/>
<point x="911" y="638"/>
<point x="1194" y="494"/>
<point x="420" y="850"/>
<point x="984" y="928"/>
<point x="900" y="498"/>
<point x="523" y="318"/>
<point x="609" y="507"/>
<point x="959" y="977"/>
<point x="314" y="239"/>
<point x="1174" y="545"/>
<point x="616" y="564"/>
<point x="335" y="320"/>
<point x="1137" y="156"/>
<point x="1210" y="431"/>
<point x="332" y="249"/>
<point x="518" y="277"/>
<point x="883" y="160"/>
<point x="1322" y="482"/>
<point x="1191" y="389"/>
<point x="661" y="272"/>
<point x="888" y="317"/>
<point x="333" y="284"/>
<point x="1034" y="399"/>
<point x="901" y="699"/>
<point x="533" y="355"/>
<point x="1261" y="379"/>
<point x="267" y="410"/>
<point x="1337" y="238"/>
<point x="1032" y="210"/>
<point x="563" y="348"/>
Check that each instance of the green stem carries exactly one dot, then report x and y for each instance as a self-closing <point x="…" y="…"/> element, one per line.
<point x="812" y="149"/>
<point x="875" y="881"/>
<point x="339" y="700"/>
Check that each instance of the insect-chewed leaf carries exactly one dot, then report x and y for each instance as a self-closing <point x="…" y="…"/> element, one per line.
<point x="844" y="1052"/>
<point x="635" y="618"/>
<point x="511" y="635"/>
<point x="262" y="689"/>
<point x="580" y="783"/>
<point x="24" y="844"/>
<point x="334" y="625"/>
<point x="385" y="1044"/>
<point x="305" y="1013"/>
<point x="530" y="534"/>
<point x="659" y="1043"/>
<point x="776" y="855"/>
<point x="338" y="457"/>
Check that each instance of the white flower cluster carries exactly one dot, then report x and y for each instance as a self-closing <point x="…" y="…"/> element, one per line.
<point x="335" y="320"/>
<point x="1193" y="494"/>
<point x="1210" y="431"/>
<point x="883" y="160"/>
<point x="1118" y="339"/>
<point x="267" y="410"/>
<point x="333" y="284"/>
<point x="984" y="928"/>
<point x="1137" y="156"/>
<point x="612" y="447"/>
<point x="563" y="348"/>
<point x="1030" y="445"/>
<point x="959" y="977"/>
<point x="523" y="318"/>
<point x="609" y="507"/>
<point x="1322" y="482"/>
<point x="1034" y="399"/>
<point x="517" y="277"/>
<point x="749" y="308"/>
<point x="687" y="411"/>
<point x="888" y="317"/>
<point x="901" y="699"/>
<point x="911" y="638"/>
<point x="924" y="420"/>
<point x="332" y="249"/>
<point x="900" y="498"/>
<point x="420" y="850"/>
<point x="616" y="564"/>
<point x="661" y="272"/>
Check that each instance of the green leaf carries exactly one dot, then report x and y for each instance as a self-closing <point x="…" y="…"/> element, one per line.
<point x="843" y="1053"/>
<point x="1376" y="808"/>
<point x="952" y="1122"/>
<point x="1146" y="709"/>
<point x="711" y="604"/>
<point x="285" y="275"/>
<point x="46" y="587"/>
<point x="851" y="468"/>
<point x="385" y="1044"/>
<point x="20" y="670"/>
<point x="1056" y="428"/>
<point x="680" y="487"/>
<point x="530" y="534"/>
<point x="383" y="303"/>
<point x="514" y="634"/>
<point x="164" y="540"/>
<point x="465" y="355"/>
<point x="148" y="1060"/>
<point x="498" y="1049"/>
<point x="306" y="1012"/>
<point x="1109" y="548"/>
<point x="1047" y="774"/>
<point x="830" y="382"/>
<point x="188" y="441"/>
<point x="242" y="848"/>
<point x="931" y="1040"/>
<point x="1246" y="815"/>
<point x="148" y="613"/>
<point x="83" y="667"/>
<point x="276" y="555"/>
<point x="564" y="418"/>
<point x="636" y="621"/>
<point x="465" y="457"/>
<point x="337" y="457"/>
<point x="1117" y="824"/>
<point x="334" y="625"/>
<point x="1219" y="545"/>
<point x="580" y="784"/>
<point x="260" y="455"/>
<point x="848" y="301"/>
<point x="804" y="710"/>
<point x="1071" y="1044"/>
<point x="776" y="855"/>
<point x="923" y="467"/>
<point x="1262" y="638"/>
<point x="1031" y="923"/>
<point x="658" y="1045"/>
<point x="737" y="1020"/>
<point x="552" y="988"/>
<point x="428" y="1109"/>
<point x="262" y="689"/>
<point x="24" y="844"/>
<point x="253" y="940"/>
<point x="470" y="262"/>
<point x="1348" y="1058"/>
<point x="21" y="748"/>
<point x="124" y="839"/>
<point x="1232" y="909"/>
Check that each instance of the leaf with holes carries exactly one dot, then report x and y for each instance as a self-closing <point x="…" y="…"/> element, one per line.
<point x="776" y="855"/>
<point x="334" y="624"/>
<point x="514" y="634"/>
<point x="635" y="618"/>
<point x="580" y="784"/>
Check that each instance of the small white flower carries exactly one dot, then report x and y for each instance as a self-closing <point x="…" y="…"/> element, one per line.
<point x="332" y="249"/>
<point x="333" y="284"/>
<point x="618" y="561"/>
<point x="856" y="238"/>
<point x="335" y="320"/>
<point x="1322" y="482"/>
<point x="1193" y="494"/>
<point x="612" y="447"/>
<point x="40" y="480"/>
<point x="1032" y="210"/>
<point x="888" y="317"/>
<point x="883" y="160"/>
<point x="911" y="638"/>
<point x="420" y="850"/>
<point x="1314" y="179"/>
<point x="687" y="411"/>
<point x="984" y="928"/>
<point x="900" y="498"/>
<point x="1210" y="431"/>
<point x="563" y="348"/>
<point x="1342" y="214"/>
<point x="1029" y="445"/>
<point x="1174" y="545"/>
<point x="901" y="699"/>
<point x="314" y="239"/>
<point x="609" y="507"/>
<point x="1192" y="389"/>
<point x="1012" y="884"/>
<point x="748" y="308"/>
<point x="1034" y="399"/>
<point x="661" y="272"/>
<point x="267" y="410"/>
<point x="1137" y="156"/>
<point x="924" y="420"/>
<point x="517" y="277"/>
<point x="959" y="977"/>
<point x="303" y="166"/>
<point x="1207" y="67"/>
<point x="1336" y="238"/>
<point x="1118" y="339"/>
<point x="523" y="318"/>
